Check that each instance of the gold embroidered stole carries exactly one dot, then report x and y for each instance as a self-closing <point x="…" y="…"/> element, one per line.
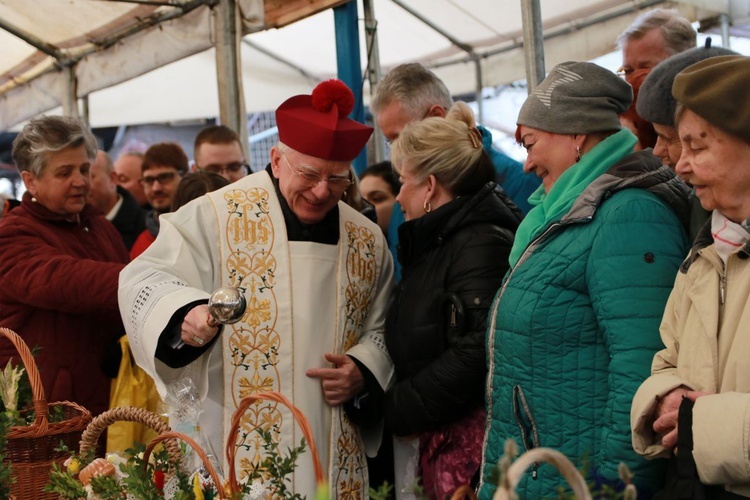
<point x="257" y="350"/>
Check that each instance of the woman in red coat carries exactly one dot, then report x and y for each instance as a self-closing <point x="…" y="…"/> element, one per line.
<point x="59" y="265"/>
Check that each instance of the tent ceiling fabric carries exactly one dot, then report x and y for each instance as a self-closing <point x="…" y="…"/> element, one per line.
<point x="31" y="81"/>
<point x="184" y="84"/>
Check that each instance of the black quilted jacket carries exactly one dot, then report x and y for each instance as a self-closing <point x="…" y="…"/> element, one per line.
<point x="454" y="260"/>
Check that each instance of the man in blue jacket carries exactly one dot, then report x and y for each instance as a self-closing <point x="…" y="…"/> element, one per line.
<point x="411" y="92"/>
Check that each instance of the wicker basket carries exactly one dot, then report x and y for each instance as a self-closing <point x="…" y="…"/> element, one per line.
<point x="506" y="491"/>
<point x="171" y="436"/>
<point x="31" y="449"/>
<point x="464" y="492"/>
<point x="126" y="414"/>
<point x="233" y="485"/>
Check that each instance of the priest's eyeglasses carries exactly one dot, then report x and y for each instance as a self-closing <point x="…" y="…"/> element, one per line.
<point x="310" y="179"/>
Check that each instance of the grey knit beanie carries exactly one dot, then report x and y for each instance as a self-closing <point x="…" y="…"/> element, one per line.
<point x="577" y="98"/>
<point x="655" y="101"/>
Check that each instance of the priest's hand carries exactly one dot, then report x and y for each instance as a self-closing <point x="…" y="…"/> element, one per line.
<point x="340" y="383"/>
<point x="197" y="329"/>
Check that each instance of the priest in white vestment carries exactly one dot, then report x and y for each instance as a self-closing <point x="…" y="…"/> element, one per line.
<point x="316" y="276"/>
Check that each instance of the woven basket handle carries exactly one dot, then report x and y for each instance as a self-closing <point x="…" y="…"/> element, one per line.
<point x="507" y="490"/>
<point x="127" y="414"/>
<point x="171" y="436"/>
<point x="298" y="415"/>
<point x="462" y="492"/>
<point x="41" y="409"/>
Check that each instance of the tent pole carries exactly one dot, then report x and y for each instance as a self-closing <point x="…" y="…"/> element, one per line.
<point x="725" y="40"/>
<point x="478" y="92"/>
<point x="229" y="76"/>
<point x="69" y="98"/>
<point x="286" y="62"/>
<point x="349" y="65"/>
<point x="85" y="111"/>
<point x="533" y="42"/>
<point x="32" y="40"/>
<point x="373" y="70"/>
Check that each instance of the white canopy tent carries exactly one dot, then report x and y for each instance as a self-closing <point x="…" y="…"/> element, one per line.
<point x="107" y="44"/>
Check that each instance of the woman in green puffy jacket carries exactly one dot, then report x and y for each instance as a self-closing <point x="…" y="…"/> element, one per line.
<point x="575" y="324"/>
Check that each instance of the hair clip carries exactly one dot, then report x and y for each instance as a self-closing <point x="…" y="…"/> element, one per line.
<point x="475" y="137"/>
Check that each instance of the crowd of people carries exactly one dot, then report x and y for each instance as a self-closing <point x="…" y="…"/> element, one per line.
<point x="423" y="312"/>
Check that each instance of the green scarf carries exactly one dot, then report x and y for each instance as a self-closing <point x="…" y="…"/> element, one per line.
<point x="552" y="206"/>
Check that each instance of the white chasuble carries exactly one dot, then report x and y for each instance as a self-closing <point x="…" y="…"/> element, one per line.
<point x="303" y="300"/>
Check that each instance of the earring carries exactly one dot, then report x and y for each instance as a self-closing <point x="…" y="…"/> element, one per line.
<point x="427" y="207"/>
<point x="33" y="200"/>
<point x="578" y="154"/>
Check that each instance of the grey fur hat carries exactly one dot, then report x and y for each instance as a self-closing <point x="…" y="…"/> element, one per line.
<point x="577" y="98"/>
<point x="655" y="101"/>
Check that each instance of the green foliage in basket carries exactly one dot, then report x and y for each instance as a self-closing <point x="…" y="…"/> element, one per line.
<point x="144" y="481"/>
<point x="6" y="479"/>
<point x="383" y="492"/>
<point x="109" y="488"/>
<point x="62" y="482"/>
<point x="10" y="382"/>
<point x="276" y="467"/>
<point x="16" y="398"/>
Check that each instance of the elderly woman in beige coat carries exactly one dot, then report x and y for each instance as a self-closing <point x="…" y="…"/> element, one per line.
<point x="705" y="329"/>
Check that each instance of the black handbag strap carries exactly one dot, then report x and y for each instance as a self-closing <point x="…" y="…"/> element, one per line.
<point x="687" y="484"/>
<point x="684" y="458"/>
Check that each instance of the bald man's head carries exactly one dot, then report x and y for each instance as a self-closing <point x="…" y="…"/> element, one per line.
<point x="128" y="168"/>
<point x="103" y="195"/>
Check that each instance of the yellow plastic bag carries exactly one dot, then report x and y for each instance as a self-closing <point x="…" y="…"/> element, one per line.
<point x="132" y="387"/>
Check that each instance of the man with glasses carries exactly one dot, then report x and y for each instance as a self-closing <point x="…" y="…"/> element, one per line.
<point x="218" y="150"/>
<point x="409" y="93"/>
<point x="316" y="275"/>
<point x="654" y="36"/>
<point x="657" y="105"/>
<point x="163" y="166"/>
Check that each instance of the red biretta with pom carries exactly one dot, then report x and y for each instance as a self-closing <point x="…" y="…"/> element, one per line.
<point x="317" y="125"/>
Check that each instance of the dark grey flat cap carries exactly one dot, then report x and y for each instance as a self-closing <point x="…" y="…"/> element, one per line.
<point x="577" y="98"/>
<point x="655" y="101"/>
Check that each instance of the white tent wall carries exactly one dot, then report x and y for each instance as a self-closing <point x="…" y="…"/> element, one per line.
<point x="128" y="58"/>
<point x="188" y="90"/>
<point x="582" y="45"/>
<point x="183" y="37"/>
